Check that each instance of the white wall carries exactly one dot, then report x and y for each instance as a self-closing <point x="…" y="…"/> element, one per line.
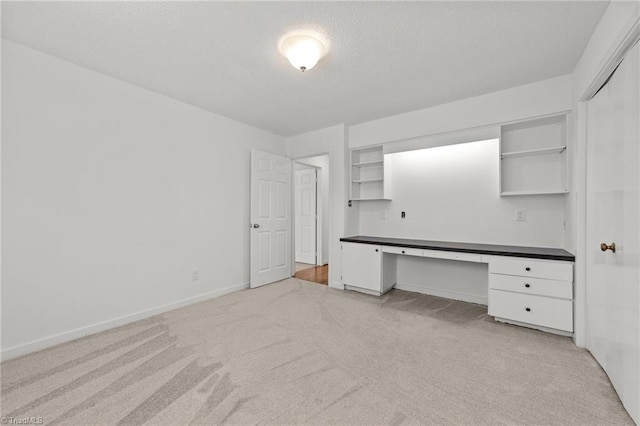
<point x="607" y="42"/>
<point x="450" y="193"/>
<point x="452" y="279"/>
<point x="112" y="195"/>
<point x="531" y="100"/>
<point x="344" y="219"/>
<point x="322" y="163"/>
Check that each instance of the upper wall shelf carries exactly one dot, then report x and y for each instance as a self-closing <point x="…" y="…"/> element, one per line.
<point x="540" y="151"/>
<point x="367" y="180"/>
<point x="368" y="163"/>
<point x="514" y="193"/>
<point x="370" y="175"/>
<point x="533" y="156"/>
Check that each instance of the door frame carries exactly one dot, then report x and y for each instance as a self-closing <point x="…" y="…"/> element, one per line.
<point x="319" y="206"/>
<point x="613" y="57"/>
<point x="320" y="211"/>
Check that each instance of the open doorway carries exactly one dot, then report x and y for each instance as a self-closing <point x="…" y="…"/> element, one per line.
<point x="311" y="218"/>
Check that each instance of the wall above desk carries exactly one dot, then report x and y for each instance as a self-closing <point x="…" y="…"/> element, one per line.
<point x="452" y="193"/>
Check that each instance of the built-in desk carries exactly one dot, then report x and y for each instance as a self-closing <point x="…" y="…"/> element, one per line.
<point x="529" y="286"/>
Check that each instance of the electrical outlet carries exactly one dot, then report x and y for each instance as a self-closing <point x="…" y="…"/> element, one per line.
<point x="402" y="215"/>
<point x="195" y="275"/>
<point x="521" y="215"/>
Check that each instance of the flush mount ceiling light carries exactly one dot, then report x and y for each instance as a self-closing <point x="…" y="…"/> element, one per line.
<point x="303" y="51"/>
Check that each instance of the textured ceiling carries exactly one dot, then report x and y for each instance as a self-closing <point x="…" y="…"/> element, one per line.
<point x="385" y="58"/>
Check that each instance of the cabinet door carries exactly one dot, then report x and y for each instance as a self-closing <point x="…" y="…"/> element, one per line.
<point x="361" y="266"/>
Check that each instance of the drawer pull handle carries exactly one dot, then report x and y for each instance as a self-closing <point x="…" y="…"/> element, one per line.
<point x="527" y="269"/>
<point x="527" y="309"/>
<point x="527" y="285"/>
<point x="402" y="251"/>
<point x="376" y="250"/>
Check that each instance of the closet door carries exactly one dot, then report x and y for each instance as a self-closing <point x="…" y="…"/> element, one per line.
<point x="613" y="217"/>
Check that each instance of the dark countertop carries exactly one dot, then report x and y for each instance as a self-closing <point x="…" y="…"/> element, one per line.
<point x="490" y="249"/>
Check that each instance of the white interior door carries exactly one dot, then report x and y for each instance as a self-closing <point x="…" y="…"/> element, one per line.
<point x="270" y="218"/>
<point x="613" y="216"/>
<point x="305" y="215"/>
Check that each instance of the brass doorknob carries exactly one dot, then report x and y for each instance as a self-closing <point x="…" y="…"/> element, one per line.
<point x="605" y="247"/>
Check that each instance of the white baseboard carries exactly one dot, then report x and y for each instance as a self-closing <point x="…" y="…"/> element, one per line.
<point x="362" y="290"/>
<point x="56" y="339"/>
<point x="536" y="327"/>
<point x="472" y="298"/>
<point x="336" y="284"/>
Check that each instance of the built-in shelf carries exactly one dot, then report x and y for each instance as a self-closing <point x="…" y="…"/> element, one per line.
<point x="368" y="163"/>
<point x="534" y="154"/>
<point x="370" y="174"/>
<point x="542" y="192"/>
<point x="367" y="180"/>
<point x="529" y="152"/>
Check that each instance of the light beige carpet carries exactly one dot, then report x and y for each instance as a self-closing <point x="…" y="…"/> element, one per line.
<point x="299" y="353"/>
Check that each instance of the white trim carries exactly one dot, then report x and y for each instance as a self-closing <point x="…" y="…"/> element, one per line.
<point x="442" y="139"/>
<point x="613" y="58"/>
<point x="535" y="327"/>
<point x="320" y="207"/>
<point x="318" y="219"/>
<point x="472" y="298"/>
<point x="580" y="210"/>
<point x="328" y="209"/>
<point x="338" y="285"/>
<point x="67" y="336"/>
<point x="363" y="290"/>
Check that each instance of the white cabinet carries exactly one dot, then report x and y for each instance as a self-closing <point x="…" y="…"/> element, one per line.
<point x="533" y="156"/>
<point x="365" y="269"/>
<point x="402" y="250"/>
<point x="370" y="174"/>
<point x="535" y="311"/>
<point x="525" y="267"/>
<point x="533" y="293"/>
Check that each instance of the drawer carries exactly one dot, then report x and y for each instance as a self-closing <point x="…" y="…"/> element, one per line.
<point x="530" y="309"/>
<point x="452" y="255"/>
<point x="402" y="250"/>
<point x="537" y="286"/>
<point x="550" y="269"/>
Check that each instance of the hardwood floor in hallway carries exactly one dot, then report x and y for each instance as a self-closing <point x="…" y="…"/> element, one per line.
<point x="316" y="274"/>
